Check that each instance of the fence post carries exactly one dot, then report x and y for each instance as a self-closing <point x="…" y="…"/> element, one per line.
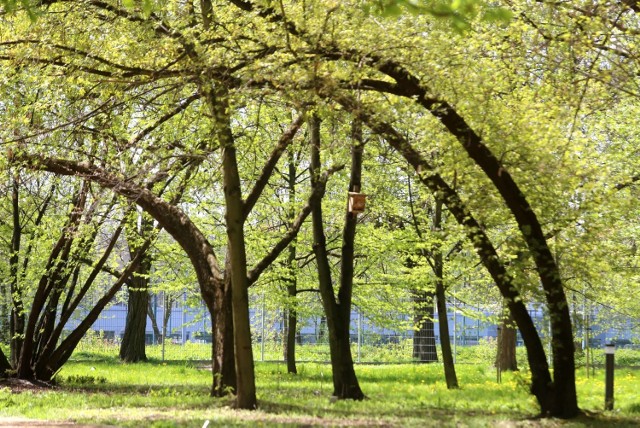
<point x="184" y="307"/>
<point x="262" y="327"/>
<point x="609" y="351"/>
<point x="359" y="333"/>
<point x="164" y="324"/>
<point x="455" y="330"/>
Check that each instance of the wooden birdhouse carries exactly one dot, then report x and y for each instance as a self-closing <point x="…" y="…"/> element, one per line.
<point x="357" y="202"/>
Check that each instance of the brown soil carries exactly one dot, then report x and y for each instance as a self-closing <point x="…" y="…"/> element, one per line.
<point x="19" y="385"/>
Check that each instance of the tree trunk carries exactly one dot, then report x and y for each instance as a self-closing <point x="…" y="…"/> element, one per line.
<point x="154" y="322"/>
<point x="445" y="341"/>
<point x="424" y="339"/>
<point x="194" y="243"/>
<point x="171" y="218"/>
<point x="56" y="274"/>
<point x="224" y="371"/>
<point x="507" y="335"/>
<point x="560" y="399"/>
<point x="290" y="344"/>
<point x="17" y="320"/>
<point x="338" y="313"/>
<point x="292" y="280"/>
<point x="217" y="98"/>
<point x="345" y="381"/>
<point x="132" y="348"/>
<point x="5" y="365"/>
<point x="47" y="368"/>
<point x="5" y="335"/>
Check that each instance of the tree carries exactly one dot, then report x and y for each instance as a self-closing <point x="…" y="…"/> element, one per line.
<point x="213" y="284"/>
<point x="337" y="306"/>
<point x="38" y="348"/>
<point x="132" y="347"/>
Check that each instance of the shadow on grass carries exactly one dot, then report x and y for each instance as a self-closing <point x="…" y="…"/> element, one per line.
<point x="435" y="414"/>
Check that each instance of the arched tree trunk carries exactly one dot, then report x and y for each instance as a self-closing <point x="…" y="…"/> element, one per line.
<point x="213" y="283"/>
<point x="559" y="398"/>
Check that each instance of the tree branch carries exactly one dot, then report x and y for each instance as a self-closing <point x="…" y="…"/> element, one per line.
<point x="316" y="195"/>
<point x="267" y="170"/>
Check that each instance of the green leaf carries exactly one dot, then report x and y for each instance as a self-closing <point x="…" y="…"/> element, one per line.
<point x="498" y="15"/>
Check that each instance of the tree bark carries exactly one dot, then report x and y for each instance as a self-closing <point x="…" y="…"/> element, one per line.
<point x="5" y="365"/>
<point x="445" y="340"/>
<point x="154" y="323"/>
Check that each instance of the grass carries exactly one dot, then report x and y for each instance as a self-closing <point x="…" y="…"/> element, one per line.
<point x="400" y="352"/>
<point x="172" y="394"/>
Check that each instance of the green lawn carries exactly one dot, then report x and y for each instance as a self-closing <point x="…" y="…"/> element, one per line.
<point x="176" y="394"/>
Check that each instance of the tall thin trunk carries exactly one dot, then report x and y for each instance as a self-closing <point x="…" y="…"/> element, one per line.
<point x="445" y="340"/>
<point x="338" y="312"/>
<point x="443" y="324"/>
<point x="17" y="321"/>
<point x="55" y="275"/>
<point x="290" y="346"/>
<point x="218" y="101"/>
<point x="5" y="334"/>
<point x="292" y="280"/>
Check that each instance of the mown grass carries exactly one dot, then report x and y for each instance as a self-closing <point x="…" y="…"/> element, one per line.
<point x="400" y="352"/>
<point x="176" y="394"/>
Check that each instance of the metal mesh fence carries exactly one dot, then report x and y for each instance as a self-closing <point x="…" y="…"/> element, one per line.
<point x="187" y="330"/>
